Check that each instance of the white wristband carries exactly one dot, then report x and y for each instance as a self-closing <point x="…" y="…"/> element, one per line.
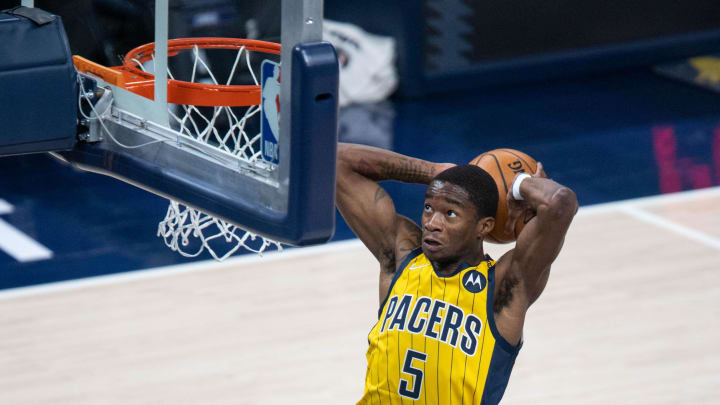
<point x="516" y="185"/>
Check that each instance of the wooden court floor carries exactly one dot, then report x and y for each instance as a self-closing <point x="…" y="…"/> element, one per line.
<point x="631" y="315"/>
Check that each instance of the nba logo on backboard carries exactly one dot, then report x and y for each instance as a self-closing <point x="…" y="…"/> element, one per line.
<point x="270" y="111"/>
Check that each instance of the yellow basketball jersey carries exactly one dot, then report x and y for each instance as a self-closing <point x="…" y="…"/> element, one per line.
<point x="435" y="341"/>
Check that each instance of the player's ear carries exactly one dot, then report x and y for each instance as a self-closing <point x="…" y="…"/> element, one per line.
<point x="485" y="226"/>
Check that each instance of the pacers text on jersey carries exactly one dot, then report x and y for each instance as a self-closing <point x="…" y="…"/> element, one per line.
<point x="433" y="318"/>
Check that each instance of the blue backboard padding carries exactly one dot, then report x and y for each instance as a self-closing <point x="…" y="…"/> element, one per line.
<point x="310" y="218"/>
<point x="315" y="79"/>
<point x="38" y="87"/>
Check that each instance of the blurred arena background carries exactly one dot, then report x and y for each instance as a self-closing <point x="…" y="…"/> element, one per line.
<point x="619" y="101"/>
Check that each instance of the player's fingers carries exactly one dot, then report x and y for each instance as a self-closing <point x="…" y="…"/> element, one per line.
<point x="540" y="170"/>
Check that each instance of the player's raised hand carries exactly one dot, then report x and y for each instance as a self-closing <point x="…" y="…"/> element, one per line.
<point x="519" y="208"/>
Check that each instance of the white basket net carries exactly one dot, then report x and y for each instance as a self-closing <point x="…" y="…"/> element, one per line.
<point x="235" y="130"/>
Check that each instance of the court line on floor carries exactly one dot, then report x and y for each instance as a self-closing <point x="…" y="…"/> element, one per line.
<point x="661" y="222"/>
<point x="250" y="259"/>
<point x="158" y="272"/>
<point x="652" y="201"/>
<point x="17" y="244"/>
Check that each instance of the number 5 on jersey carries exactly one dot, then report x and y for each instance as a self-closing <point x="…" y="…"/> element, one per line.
<point x="413" y="371"/>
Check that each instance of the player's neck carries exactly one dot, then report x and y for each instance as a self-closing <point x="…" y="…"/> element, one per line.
<point x="452" y="265"/>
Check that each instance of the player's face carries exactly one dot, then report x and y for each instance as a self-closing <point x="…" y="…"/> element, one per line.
<point x="449" y="223"/>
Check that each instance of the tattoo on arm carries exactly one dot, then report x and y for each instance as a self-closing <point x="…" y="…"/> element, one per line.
<point x="407" y="170"/>
<point x="402" y="169"/>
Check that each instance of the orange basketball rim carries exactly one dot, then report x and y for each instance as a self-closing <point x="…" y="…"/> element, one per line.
<point x="131" y="77"/>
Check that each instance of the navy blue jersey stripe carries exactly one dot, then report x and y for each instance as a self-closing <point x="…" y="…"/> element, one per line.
<point x="501" y="365"/>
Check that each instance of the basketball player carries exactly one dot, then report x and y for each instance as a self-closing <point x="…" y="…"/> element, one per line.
<point x="451" y="319"/>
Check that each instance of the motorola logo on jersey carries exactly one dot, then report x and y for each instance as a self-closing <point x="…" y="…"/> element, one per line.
<point x="474" y="281"/>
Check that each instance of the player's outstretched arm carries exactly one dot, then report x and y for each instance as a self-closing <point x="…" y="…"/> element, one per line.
<point x="540" y="241"/>
<point x="368" y="208"/>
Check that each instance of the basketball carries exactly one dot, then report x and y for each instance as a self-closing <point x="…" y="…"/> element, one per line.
<point x="503" y="165"/>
